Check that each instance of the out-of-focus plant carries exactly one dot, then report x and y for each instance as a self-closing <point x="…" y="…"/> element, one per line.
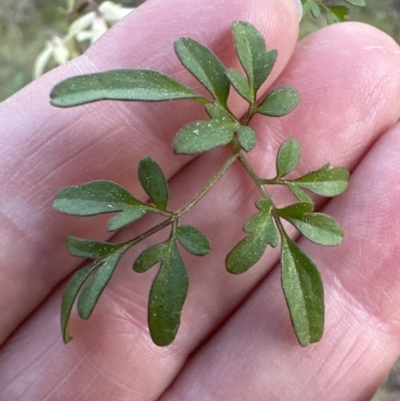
<point x="89" y="20"/>
<point x="333" y="12"/>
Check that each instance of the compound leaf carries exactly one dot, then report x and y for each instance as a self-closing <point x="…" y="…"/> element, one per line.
<point x="193" y="240"/>
<point x="251" y="50"/>
<point x="304" y="293"/>
<point x="247" y="137"/>
<point x="288" y="157"/>
<point x="279" y="102"/>
<point x="325" y="181"/>
<point x="167" y="296"/>
<point x="205" y="66"/>
<point x="153" y="182"/>
<point x="262" y="231"/>
<point x="240" y="83"/>
<point x="71" y="291"/>
<point x="142" y="85"/>
<point x="99" y="197"/>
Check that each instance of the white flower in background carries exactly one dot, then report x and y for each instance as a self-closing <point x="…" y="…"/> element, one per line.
<point x="56" y="49"/>
<point x="87" y="28"/>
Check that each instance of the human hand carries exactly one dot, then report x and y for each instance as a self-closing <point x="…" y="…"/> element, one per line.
<point x="235" y="340"/>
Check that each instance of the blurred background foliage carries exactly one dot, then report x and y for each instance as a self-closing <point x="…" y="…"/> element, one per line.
<point x="27" y="25"/>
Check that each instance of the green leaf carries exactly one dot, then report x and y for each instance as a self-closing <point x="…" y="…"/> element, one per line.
<point x="99" y="197"/>
<point x="318" y="228"/>
<point x="153" y="182"/>
<point x="304" y="293"/>
<point x="88" y="278"/>
<point x="288" y="157"/>
<point x="83" y="248"/>
<point x="71" y="291"/>
<point x="143" y="85"/>
<point x="310" y="5"/>
<point x="201" y="136"/>
<point x="218" y="113"/>
<point x="240" y="84"/>
<point x="295" y="210"/>
<point x="193" y="240"/>
<point x="325" y="181"/>
<point x="251" y="50"/>
<point x="205" y="66"/>
<point x="279" y="102"/>
<point x="359" y="3"/>
<point x="167" y="296"/>
<point x="96" y="284"/>
<point x="247" y="137"/>
<point x="299" y="194"/>
<point x="262" y="231"/>
<point x="336" y="14"/>
<point x="149" y="257"/>
<point x="315" y="10"/>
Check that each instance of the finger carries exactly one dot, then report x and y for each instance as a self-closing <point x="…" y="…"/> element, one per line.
<point x="118" y="325"/>
<point x="44" y="149"/>
<point x="256" y="355"/>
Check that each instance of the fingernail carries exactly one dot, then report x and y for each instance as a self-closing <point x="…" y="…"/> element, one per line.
<point x="299" y="8"/>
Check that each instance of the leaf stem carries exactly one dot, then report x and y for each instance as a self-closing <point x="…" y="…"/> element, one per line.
<point x="174" y="218"/>
<point x="208" y="186"/>
<point x="254" y="176"/>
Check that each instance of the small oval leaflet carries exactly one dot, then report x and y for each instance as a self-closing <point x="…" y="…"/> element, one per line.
<point x="153" y="182"/>
<point x="193" y="240"/>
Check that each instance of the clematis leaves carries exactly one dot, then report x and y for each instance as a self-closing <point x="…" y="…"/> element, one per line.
<point x="99" y="197"/>
<point x="153" y="182"/>
<point x="201" y="136"/>
<point x="205" y="66"/>
<point x="304" y="294"/>
<point x="279" y="102"/>
<point x="301" y="281"/>
<point x="251" y="50"/>
<point x="262" y="231"/>
<point x="143" y="85"/>
<point x="87" y="284"/>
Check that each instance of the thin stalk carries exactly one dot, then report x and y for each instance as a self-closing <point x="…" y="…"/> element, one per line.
<point x="207" y="187"/>
<point x="174" y="218"/>
<point x="253" y="175"/>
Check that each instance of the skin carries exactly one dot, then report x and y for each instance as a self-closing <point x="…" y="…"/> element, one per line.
<point x="235" y="341"/>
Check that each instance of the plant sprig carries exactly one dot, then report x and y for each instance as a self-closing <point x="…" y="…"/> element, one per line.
<point x="333" y="13"/>
<point x="301" y="280"/>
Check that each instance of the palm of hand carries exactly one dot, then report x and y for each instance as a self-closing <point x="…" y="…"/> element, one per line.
<point x="235" y="341"/>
